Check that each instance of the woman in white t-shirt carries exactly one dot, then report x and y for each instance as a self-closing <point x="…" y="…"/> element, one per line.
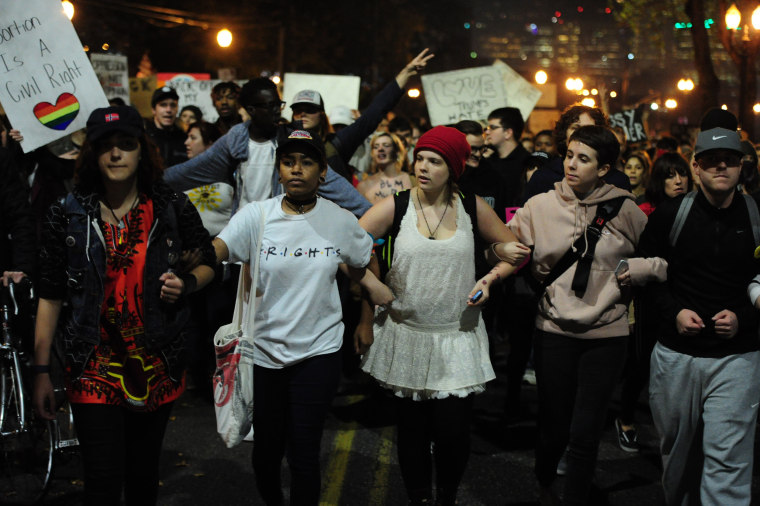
<point x="298" y="325"/>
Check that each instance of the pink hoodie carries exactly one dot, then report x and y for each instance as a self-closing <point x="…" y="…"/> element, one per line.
<point x="551" y="222"/>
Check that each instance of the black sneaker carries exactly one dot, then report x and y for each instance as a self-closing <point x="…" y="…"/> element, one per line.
<point x="627" y="439"/>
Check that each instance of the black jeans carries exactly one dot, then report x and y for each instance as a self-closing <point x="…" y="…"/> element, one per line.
<point x="120" y="450"/>
<point x="290" y="407"/>
<point x="576" y="378"/>
<point x="445" y="423"/>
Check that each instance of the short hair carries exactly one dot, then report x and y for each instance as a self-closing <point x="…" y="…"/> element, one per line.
<point x="667" y="143"/>
<point x="602" y="140"/>
<point x="469" y="127"/>
<point x="509" y="117"/>
<point x="224" y="85"/>
<point x="543" y="132"/>
<point x="209" y="131"/>
<point x="89" y="179"/>
<point x="195" y="110"/>
<point x="667" y="165"/>
<point x="399" y="124"/>
<point x="117" y="101"/>
<point x="253" y="86"/>
<point x="569" y="116"/>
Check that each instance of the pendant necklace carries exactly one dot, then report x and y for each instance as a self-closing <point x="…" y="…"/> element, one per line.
<point x="299" y="206"/>
<point x="120" y="222"/>
<point x="432" y="234"/>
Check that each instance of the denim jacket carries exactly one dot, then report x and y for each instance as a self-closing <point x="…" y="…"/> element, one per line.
<point x="176" y="227"/>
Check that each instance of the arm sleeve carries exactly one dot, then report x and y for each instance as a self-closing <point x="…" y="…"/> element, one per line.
<point x="353" y="135"/>
<point x="52" y="257"/>
<point x="18" y="222"/>
<point x="194" y="235"/>
<point x="358" y="242"/>
<point x="521" y="225"/>
<point x="241" y="232"/>
<point x="343" y="193"/>
<point x="212" y="166"/>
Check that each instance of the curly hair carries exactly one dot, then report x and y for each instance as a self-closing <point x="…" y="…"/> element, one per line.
<point x="570" y="116"/>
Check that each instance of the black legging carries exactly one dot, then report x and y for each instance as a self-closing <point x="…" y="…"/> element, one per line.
<point x="576" y="378"/>
<point x="446" y="424"/>
<point x="120" y="450"/>
<point x="290" y="407"/>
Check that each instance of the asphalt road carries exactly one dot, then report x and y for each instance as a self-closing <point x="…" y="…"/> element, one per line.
<point x="359" y="457"/>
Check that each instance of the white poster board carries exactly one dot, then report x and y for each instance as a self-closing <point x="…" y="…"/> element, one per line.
<point x="520" y="93"/>
<point x="335" y="90"/>
<point x="47" y="85"/>
<point x="113" y="73"/>
<point x="463" y="94"/>
<point x="197" y="92"/>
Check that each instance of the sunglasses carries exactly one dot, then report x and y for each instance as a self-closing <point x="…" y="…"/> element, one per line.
<point x="712" y="160"/>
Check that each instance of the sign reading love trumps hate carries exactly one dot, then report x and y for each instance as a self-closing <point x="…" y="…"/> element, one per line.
<point x="47" y="85"/>
<point x="463" y="94"/>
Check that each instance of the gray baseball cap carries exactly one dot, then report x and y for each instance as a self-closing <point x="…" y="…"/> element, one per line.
<point x="718" y="138"/>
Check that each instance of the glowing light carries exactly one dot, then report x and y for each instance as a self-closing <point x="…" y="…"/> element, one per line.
<point x="607" y="10"/>
<point x="557" y="14"/>
<point x="671" y="103"/>
<point x="105" y="46"/>
<point x="580" y="8"/>
<point x="68" y="8"/>
<point x="613" y="94"/>
<point x="756" y="108"/>
<point x="413" y="93"/>
<point x="86" y="48"/>
<point x="585" y="93"/>
<point x="724" y="107"/>
<point x="574" y="84"/>
<point x="631" y="56"/>
<point x="467" y="26"/>
<point x="654" y="106"/>
<point x="733" y="17"/>
<point x="276" y="79"/>
<point x="685" y="84"/>
<point x="473" y="55"/>
<point x="224" y="38"/>
<point x="756" y="18"/>
<point x="541" y="77"/>
<point x="589" y="102"/>
<point x="594" y="91"/>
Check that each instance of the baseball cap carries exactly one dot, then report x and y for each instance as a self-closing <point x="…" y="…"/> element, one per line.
<point x="341" y="115"/>
<point x="163" y="93"/>
<point x="536" y="159"/>
<point x="301" y="139"/>
<point x="308" y="97"/>
<point x="717" y="138"/>
<point x="107" y="120"/>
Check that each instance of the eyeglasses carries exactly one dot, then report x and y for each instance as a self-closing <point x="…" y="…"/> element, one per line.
<point x="272" y="106"/>
<point x="123" y="143"/>
<point x="478" y="149"/>
<point x="493" y="127"/>
<point x="712" y="160"/>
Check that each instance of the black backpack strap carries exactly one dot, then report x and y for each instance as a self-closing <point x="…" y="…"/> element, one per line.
<point x="754" y="218"/>
<point x="680" y="219"/>
<point x="583" y="252"/>
<point x="400" y="202"/>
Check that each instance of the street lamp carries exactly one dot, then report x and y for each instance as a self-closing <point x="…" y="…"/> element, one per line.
<point x="224" y="38"/>
<point x="68" y="9"/>
<point x="685" y="84"/>
<point x="671" y="103"/>
<point x="541" y="77"/>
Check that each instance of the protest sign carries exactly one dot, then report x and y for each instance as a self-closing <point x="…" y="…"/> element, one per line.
<point x="140" y="92"/>
<point x="47" y="85"/>
<point x="112" y="71"/>
<point x="463" y="94"/>
<point x="520" y="93"/>
<point x="196" y="92"/>
<point x="335" y="90"/>
<point x="632" y="122"/>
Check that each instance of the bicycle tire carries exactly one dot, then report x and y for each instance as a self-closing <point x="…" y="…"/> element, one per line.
<point x="26" y="453"/>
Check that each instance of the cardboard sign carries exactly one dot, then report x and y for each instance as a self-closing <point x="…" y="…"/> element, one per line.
<point x="632" y="121"/>
<point x="140" y="93"/>
<point x="112" y="71"/>
<point x="198" y="93"/>
<point x="520" y="93"/>
<point x="47" y="85"/>
<point x="335" y="90"/>
<point x="463" y="94"/>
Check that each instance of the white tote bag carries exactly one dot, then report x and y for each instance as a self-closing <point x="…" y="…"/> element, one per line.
<point x="233" y="346"/>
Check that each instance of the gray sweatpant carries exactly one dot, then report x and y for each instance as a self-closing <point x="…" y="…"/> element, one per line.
<point x="704" y="410"/>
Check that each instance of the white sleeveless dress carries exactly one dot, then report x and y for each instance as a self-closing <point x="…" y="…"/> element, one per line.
<point x="428" y="343"/>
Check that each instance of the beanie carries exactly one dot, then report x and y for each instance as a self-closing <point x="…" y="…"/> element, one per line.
<point x="448" y="142"/>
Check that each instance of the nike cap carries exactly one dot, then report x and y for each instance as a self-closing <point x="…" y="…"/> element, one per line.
<point x="718" y="138"/>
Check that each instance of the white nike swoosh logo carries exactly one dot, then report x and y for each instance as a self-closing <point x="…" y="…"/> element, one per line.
<point x="719" y="137"/>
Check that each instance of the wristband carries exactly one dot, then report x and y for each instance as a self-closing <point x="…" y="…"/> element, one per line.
<point x="41" y="369"/>
<point x="190" y="282"/>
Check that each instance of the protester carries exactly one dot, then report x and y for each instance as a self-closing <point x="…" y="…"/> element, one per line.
<point x="505" y="126"/>
<point x="430" y="346"/>
<point x="670" y="178"/>
<point x="637" y="169"/>
<point x="224" y="96"/>
<point x="705" y="379"/>
<point x="162" y="129"/>
<point x="119" y="294"/>
<point x="188" y="115"/>
<point x="299" y="331"/>
<point x="387" y="174"/>
<point x="581" y="326"/>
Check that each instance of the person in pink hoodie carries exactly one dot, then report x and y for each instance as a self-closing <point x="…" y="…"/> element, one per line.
<point x="582" y="321"/>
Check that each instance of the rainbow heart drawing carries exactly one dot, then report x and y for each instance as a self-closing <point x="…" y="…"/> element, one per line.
<point x="60" y="115"/>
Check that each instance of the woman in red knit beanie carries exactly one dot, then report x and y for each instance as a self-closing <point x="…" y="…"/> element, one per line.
<point x="430" y="345"/>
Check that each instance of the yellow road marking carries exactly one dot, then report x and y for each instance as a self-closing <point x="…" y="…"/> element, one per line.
<point x="336" y="467"/>
<point x="380" y="480"/>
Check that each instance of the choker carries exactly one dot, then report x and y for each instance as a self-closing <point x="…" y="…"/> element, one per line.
<point x="299" y="205"/>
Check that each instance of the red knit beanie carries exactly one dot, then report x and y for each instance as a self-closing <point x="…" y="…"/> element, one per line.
<point x="448" y="142"/>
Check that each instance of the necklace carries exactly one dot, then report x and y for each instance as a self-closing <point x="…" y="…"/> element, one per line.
<point x="432" y="234"/>
<point x="299" y="206"/>
<point x="120" y="222"/>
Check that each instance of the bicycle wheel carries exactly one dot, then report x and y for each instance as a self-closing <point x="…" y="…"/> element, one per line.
<point x="26" y="454"/>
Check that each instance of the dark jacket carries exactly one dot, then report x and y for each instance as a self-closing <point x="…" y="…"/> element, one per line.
<point x="18" y="238"/>
<point x="73" y="267"/>
<point x="510" y="168"/>
<point x="170" y="143"/>
<point x="709" y="270"/>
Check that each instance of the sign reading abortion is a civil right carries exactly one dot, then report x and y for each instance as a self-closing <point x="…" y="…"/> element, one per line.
<point x="47" y="85"/>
